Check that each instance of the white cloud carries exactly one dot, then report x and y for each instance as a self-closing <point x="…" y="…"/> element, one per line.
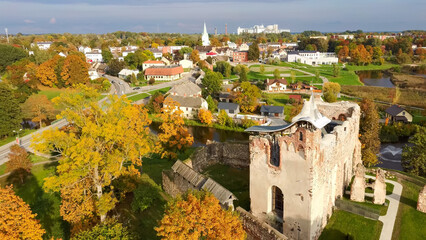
<point x="28" y="21"/>
<point x="52" y="20"/>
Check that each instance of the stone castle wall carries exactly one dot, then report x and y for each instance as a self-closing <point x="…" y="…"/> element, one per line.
<point x="258" y="230"/>
<point x="232" y="154"/>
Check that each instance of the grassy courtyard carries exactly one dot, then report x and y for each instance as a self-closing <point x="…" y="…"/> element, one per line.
<point x="343" y="224"/>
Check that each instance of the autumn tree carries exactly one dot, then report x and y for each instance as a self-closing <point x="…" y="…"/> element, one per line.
<point x="109" y="230"/>
<point x="115" y="66"/>
<point x="242" y="71"/>
<point x="11" y="116"/>
<point x="19" y="162"/>
<point x="22" y="77"/>
<point x="331" y="90"/>
<point x="224" y="120"/>
<point x="212" y="103"/>
<point x="102" y="142"/>
<point x="198" y="215"/>
<point x="195" y="56"/>
<point x="75" y="71"/>
<point x="360" y="55"/>
<point x="414" y="157"/>
<point x="212" y="83"/>
<point x="174" y="135"/>
<point x="155" y="102"/>
<point x="277" y="74"/>
<point x="369" y="132"/>
<point x="205" y="116"/>
<point x="39" y="109"/>
<point x="46" y="72"/>
<point x="293" y="76"/>
<point x="247" y="97"/>
<point x="343" y="53"/>
<point x="16" y="219"/>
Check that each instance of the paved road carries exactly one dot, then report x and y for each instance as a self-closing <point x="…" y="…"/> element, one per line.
<point x="121" y="86"/>
<point x="26" y="140"/>
<point x="388" y="220"/>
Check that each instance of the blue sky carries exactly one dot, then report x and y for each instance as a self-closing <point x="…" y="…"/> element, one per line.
<point x="187" y="16"/>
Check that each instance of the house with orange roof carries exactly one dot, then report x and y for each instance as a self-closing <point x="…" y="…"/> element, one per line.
<point x="164" y="73"/>
<point x="152" y="63"/>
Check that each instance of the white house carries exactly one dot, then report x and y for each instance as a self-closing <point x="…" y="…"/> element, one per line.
<point x="42" y="45"/>
<point x="156" y="52"/>
<point x="93" y="74"/>
<point x="152" y="63"/>
<point x="125" y="53"/>
<point x="243" y="47"/>
<point x="189" y="105"/>
<point x="84" y="49"/>
<point x="186" y="63"/>
<point x="94" y="57"/>
<point x="164" y="73"/>
<point x="262" y="29"/>
<point x="312" y="57"/>
<point x="124" y="73"/>
<point x="276" y="85"/>
<point x="232" y="45"/>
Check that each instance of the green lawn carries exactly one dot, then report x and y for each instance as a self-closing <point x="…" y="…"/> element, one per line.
<point x="389" y="189"/>
<point x="52" y="92"/>
<point x="239" y="185"/>
<point x="410" y="223"/>
<point x="9" y="139"/>
<point x="342" y="224"/>
<point x="380" y="209"/>
<point x="162" y="90"/>
<point x="137" y="97"/>
<point x="46" y="205"/>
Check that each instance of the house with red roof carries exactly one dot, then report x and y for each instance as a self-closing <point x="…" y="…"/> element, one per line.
<point x="276" y="85"/>
<point x="152" y="63"/>
<point x="164" y="73"/>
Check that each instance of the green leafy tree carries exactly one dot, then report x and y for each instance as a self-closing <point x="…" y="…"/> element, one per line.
<point x="146" y="193"/>
<point x="336" y="70"/>
<point x="224" y="68"/>
<point x="9" y="55"/>
<point x="212" y="82"/>
<point x="331" y="90"/>
<point x="212" y="104"/>
<point x="369" y="132"/>
<point x="277" y="74"/>
<point x="243" y="75"/>
<point x="11" y="116"/>
<point x="115" y="66"/>
<point x="262" y="69"/>
<point x="108" y="230"/>
<point x="107" y="55"/>
<point x="224" y="120"/>
<point x="253" y="52"/>
<point x="185" y="50"/>
<point x="414" y="157"/>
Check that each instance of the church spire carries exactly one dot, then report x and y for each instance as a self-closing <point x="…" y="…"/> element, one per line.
<point x="205" y="36"/>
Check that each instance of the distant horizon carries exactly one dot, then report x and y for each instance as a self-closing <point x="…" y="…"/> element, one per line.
<point x="187" y="16"/>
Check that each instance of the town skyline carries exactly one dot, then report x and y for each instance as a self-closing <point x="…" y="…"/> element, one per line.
<point x="40" y="16"/>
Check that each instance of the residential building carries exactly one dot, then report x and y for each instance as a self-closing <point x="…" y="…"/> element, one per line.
<point x="93" y="74"/>
<point x="318" y="37"/>
<point x="230" y="108"/>
<point x="232" y="45"/>
<point x="226" y="97"/>
<point x="312" y="57"/>
<point x="343" y="36"/>
<point x="216" y="59"/>
<point x="185" y="89"/>
<point x="94" y="56"/>
<point x="152" y="63"/>
<point x="164" y="73"/>
<point x="243" y="47"/>
<point x="84" y="49"/>
<point x="186" y="64"/>
<point x="42" y="45"/>
<point x="396" y="113"/>
<point x="124" y="73"/>
<point x="272" y="111"/>
<point x="156" y="52"/>
<point x="276" y="85"/>
<point x="125" y="53"/>
<point x="261" y="29"/>
<point x="189" y="105"/>
<point x="205" y="37"/>
<point x="240" y="56"/>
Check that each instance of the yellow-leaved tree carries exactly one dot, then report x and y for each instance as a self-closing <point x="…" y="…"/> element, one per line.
<point x="174" y="135"/>
<point x="205" y="116"/>
<point x="75" y="70"/>
<point x="101" y="143"/>
<point x="198" y="215"/>
<point x="16" y="219"/>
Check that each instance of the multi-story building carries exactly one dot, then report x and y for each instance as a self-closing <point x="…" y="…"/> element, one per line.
<point x="240" y="56"/>
<point x="164" y="73"/>
<point x="262" y="29"/>
<point x="312" y="57"/>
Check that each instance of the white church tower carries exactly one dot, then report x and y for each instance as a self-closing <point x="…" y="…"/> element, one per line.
<point x="205" y="36"/>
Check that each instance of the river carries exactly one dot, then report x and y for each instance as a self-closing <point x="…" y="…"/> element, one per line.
<point x="375" y="78"/>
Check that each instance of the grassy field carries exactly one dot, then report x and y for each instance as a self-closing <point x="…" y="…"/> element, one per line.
<point x="46" y="205"/>
<point x="52" y="92"/>
<point x="9" y="139"/>
<point x="138" y="97"/>
<point x="410" y="223"/>
<point x="342" y="224"/>
<point x="162" y="90"/>
<point x="238" y="186"/>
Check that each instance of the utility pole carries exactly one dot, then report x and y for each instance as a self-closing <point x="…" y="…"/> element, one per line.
<point x="7" y="35"/>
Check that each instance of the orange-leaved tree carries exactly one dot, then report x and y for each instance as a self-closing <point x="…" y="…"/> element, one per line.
<point x="174" y="135"/>
<point x="19" y="162"/>
<point x="102" y="143"/>
<point x="38" y="108"/>
<point x="75" y="70"/>
<point x="205" y="116"/>
<point x="46" y="72"/>
<point x="16" y="219"/>
<point x="198" y="215"/>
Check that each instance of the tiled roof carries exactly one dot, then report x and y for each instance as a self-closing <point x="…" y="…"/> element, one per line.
<point x="186" y="88"/>
<point x="153" y="62"/>
<point x="272" y="109"/>
<point x="164" y="70"/>
<point x="394" y="110"/>
<point x="225" y="105"/>
<point x="193" y="102"/>
<point x="272" y="81"/>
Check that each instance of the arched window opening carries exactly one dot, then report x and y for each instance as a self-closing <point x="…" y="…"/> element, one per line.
<point x="342" y="117"/>
<point x="300" y="136"/>
<point x="277" y="202"/>
<point x="275" y="152"/>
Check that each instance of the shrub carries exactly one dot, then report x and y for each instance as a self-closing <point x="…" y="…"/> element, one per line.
<point x="145" y="194"/>
<point x="246" y="123"/>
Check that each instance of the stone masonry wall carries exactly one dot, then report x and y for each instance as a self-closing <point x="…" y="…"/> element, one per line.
<point x="232" y="154"/>
<point x="174" y="184"/>
<point x="421" y="203"/>
<point x="257" y="230"/>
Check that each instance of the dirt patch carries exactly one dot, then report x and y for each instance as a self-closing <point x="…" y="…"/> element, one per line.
<point x="409" y="81"/>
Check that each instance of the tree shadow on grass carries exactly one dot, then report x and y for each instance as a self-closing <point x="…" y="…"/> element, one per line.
<point x="334" y="234"/>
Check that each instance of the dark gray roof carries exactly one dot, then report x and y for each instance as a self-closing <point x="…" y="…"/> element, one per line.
<point x="272" y="109"/>
<point x="188" y="173"/>
<point x="268" y="128"/>
<point x="394" y="110"/>
<point x="225" y="105"/>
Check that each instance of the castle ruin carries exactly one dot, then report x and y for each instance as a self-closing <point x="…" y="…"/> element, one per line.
<point x="298" y="170"/>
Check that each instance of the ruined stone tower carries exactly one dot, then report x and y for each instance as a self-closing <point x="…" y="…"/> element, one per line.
<point x="298" y="170"/>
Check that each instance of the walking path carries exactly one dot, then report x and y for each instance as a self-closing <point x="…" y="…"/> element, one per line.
<point x="388" y="220"/>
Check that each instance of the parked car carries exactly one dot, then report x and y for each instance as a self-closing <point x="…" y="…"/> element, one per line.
<point x="136" y="88"/>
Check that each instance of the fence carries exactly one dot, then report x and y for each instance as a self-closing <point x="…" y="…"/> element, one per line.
<point x="357" y="209"/>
